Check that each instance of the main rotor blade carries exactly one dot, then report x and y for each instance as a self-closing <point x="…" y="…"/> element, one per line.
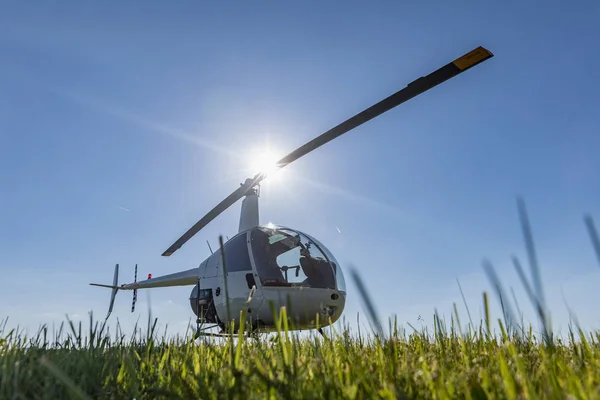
<point x="413" y="89"/>
<point x="212" y="214"/>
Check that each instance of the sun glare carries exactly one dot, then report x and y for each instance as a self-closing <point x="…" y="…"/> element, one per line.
<point x="265" y="161"/>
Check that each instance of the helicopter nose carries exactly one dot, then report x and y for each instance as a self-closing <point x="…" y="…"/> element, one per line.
<point x="333" y="307"/>
<point x="308" y="306"/>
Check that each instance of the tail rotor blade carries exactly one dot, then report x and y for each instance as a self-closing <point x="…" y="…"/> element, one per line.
<point x="134" y="290"/>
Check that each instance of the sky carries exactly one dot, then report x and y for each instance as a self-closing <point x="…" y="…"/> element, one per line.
<point x="122" y="124"/>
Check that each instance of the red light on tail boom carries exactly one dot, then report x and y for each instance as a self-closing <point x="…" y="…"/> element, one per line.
<point x="149" y="276"/>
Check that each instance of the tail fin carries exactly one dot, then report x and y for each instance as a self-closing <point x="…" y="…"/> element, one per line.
<point x="114" y="288"/>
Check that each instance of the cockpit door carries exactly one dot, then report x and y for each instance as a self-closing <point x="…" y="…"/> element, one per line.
<point x="241" y="277"/>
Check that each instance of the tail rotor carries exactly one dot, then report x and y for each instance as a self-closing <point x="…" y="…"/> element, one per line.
<point x="115" y="288"/>
<point x="134" y="290"/>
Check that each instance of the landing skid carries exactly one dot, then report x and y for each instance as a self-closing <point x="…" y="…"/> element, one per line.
<point x="201" y="333"/>
<point x="210" y="334"/>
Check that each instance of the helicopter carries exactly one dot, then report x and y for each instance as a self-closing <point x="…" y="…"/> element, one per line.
<point x="266" y="267"/>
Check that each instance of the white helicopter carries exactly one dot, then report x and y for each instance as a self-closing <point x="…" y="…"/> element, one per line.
<point x="266" y="267"/>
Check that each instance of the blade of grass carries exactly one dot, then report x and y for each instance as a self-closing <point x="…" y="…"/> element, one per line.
<point x="589" y="222"/>
<point x="371" y="313"/>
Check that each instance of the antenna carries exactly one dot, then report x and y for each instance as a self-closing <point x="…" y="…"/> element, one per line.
<point x="209" y="247"/>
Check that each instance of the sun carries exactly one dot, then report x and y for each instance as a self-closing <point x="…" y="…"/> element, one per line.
<point x="265" y="161"/>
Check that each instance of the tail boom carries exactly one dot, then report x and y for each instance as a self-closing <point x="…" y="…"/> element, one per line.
<point x="183" y="278"/>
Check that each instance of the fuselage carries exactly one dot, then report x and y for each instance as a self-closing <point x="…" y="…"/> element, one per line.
<point x="266" y="268"/>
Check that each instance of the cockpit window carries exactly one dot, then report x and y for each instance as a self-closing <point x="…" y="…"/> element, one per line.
<point x="236" y="254"/>
<point x="339" y="275"/>
<point x="284" y="257"/>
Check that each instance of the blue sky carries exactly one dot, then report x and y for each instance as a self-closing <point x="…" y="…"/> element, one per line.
<point x="122" y="124"/>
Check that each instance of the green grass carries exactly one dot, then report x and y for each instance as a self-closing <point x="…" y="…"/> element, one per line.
<point x="494" y="359"/>
<point x="445" y="365"/>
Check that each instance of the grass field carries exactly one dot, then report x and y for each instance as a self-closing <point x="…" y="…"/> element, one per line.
<point x="446" y="366"/>
<point x="495" y="359"/>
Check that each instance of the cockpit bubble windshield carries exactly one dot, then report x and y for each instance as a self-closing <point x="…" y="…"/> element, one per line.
<point x="339" y="275"/>
<point x="285" y="257"/>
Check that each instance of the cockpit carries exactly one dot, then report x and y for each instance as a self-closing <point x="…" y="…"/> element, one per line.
<point x="288" y="258"/>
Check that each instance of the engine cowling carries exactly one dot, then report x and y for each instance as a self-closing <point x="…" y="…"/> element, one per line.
<point x="202" y="305"/>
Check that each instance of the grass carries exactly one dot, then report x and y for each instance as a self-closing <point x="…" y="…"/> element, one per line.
<point x="495" y="359"/>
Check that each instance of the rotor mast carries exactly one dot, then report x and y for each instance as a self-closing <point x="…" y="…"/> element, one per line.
<point x="249" y="216"/>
